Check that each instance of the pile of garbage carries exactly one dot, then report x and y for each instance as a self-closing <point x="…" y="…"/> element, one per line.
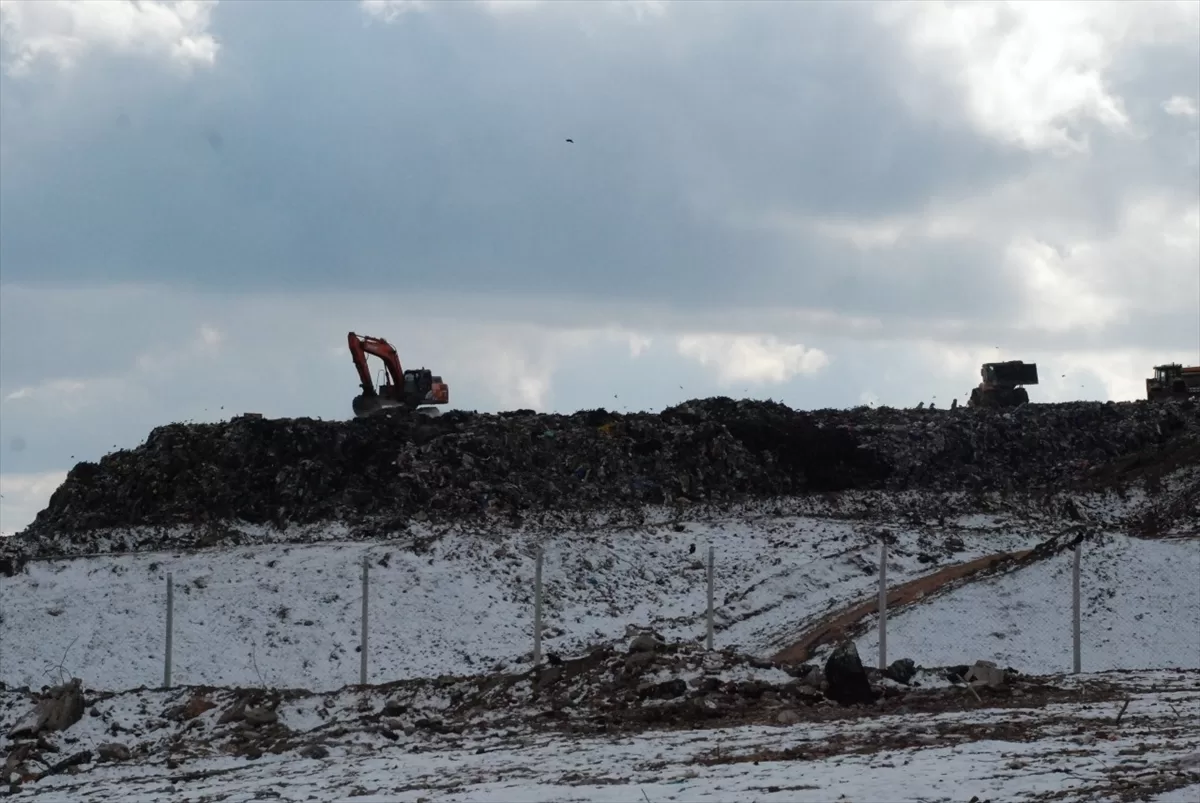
<point x="651" y="683"/>
<point x="397" y="466"/>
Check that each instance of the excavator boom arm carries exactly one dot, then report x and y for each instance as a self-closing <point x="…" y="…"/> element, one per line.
<point x="361" y="346"/>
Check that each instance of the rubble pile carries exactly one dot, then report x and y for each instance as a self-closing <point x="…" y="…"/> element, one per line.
<point x="649" y="684"/>
<point x="396" y="466"/>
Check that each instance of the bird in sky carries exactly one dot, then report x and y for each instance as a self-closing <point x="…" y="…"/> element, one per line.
<point x="570" y="140"/>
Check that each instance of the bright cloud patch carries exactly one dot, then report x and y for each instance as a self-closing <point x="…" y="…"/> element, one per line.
<point x="1035" y="74"/>
<point x="204" y="344"/>
<point x="53" y="387"/>
<point x="1058" y="299"/>
<point x="1141" y="268"/>
<point x="1180" y="106"/>
<point x="23" y="495"/>
<point x="64" y="31"/>
<point x="392" y="10"/>
<point x="65" y="395"/>
<point x="752" y="358"/>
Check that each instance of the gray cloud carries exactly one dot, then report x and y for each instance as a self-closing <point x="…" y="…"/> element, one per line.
<point x="192" y="217"/>
<point x="425" y="156"/>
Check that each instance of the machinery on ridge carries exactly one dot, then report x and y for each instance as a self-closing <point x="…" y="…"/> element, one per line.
<point x="409" y="389"/>
<point x="1001" y="385"/>
<point x="1173" y="381"/>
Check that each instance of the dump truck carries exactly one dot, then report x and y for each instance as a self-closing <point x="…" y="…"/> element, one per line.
<point x="1002" y="384"/>
<point x="1173" y="381"/>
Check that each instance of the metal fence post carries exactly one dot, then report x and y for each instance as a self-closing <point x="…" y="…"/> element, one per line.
<point x="366" y="588"/>
<point x="537" y="609"/>
<point x="170" y="630"/>
<point x="1076" y="612"/>
<point x="708" y="640"/>
<point x="883" y="551"/>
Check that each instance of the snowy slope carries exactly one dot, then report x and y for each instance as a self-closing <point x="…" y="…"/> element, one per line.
<point x="288" y="615"/>
<point x="1140" y="608"/>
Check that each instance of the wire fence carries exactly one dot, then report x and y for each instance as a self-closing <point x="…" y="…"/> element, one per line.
<point x="881" y="616"/>
<point x="1088" y="617"/>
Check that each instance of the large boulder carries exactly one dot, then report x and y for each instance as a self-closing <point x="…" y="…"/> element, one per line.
<point x="846" y="677"/>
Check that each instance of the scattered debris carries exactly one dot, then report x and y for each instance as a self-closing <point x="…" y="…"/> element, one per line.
<point x="113" y="751"/>
<point x="681" y="685"/>
<point x="901" y="671"/>
<point x="645" y="642"/>
<point x="985" y="673"/>
<point x="56" y="709"/>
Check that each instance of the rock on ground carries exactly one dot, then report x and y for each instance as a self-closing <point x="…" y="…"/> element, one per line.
<point x="847" y="679"/>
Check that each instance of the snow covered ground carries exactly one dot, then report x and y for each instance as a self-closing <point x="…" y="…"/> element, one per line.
<point x="1082" y="749"/>
<point x="280" y="615"/>
<point x="1140" y="608"/>
<point x="288" y="615"/>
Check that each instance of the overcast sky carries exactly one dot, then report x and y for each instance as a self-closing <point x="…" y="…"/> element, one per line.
<point x="829" y="204"/>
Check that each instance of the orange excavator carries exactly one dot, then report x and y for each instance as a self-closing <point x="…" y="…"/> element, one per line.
<point x="410" y="389"/>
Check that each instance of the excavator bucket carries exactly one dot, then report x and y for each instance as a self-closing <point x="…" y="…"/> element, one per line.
<point x="364" y="405"/>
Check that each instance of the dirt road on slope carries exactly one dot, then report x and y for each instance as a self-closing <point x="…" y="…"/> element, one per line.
<point x="838" y="624"/>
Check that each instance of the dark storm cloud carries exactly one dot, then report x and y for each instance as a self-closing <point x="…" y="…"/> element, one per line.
<point x="430" y="155"/>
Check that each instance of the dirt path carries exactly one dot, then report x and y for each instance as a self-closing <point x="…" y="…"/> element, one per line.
<point x="834" y="626"/>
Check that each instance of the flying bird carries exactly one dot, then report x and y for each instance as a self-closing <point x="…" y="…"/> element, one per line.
<point x="570" y="140"/>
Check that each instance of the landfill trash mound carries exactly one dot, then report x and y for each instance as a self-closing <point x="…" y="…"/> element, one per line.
<point x="396" y="466"/>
